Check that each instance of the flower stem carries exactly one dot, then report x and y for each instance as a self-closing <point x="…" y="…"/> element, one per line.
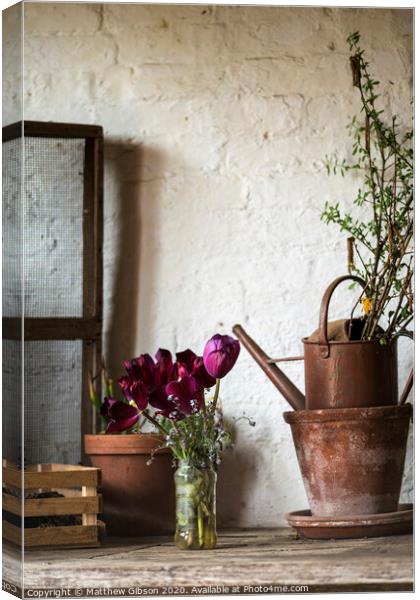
<point x="183" y="455"/>
<point x="216" y="396"/>
<point x="200" y="528"/>
<point x="154" y="422"/>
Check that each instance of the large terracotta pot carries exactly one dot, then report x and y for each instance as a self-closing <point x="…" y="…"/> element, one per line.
<point x="351" y="459"/>
<point x="138" y="499"/>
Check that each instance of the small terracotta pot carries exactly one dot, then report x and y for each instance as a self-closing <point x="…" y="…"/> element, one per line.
<point x="351" y="459"/>
<point x="138" y="499"/>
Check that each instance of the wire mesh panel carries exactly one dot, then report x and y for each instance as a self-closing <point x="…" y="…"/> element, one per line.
<point x="12" y="400"/>
<point x="12" y="228"/>
<point x="12" y="215"/>
<point x="60" y="248"/>
<point x="53" y="374"/>
<point x="53" y="251"/>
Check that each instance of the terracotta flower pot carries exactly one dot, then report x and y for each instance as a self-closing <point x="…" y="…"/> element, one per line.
<point x="139" y="499"/>
<point x="351" y="459"/>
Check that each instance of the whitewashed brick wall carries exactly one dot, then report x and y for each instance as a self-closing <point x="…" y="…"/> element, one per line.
<point x="217" y="121"/>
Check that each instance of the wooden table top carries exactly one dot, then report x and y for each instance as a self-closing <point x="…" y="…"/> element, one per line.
<point x="271" y="557"/>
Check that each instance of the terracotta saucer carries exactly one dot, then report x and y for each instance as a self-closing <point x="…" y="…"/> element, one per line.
<point x="355" y="526"/>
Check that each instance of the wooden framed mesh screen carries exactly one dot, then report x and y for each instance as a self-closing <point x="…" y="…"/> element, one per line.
<point x="57" y="251"/>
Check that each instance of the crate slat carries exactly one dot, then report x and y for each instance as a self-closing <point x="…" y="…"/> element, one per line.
<point x="69" y="477"/>
<point x="61" y="536"/>
<point x="12" y="504"/>
<point x="49" y="507"/>
<point x="58" y="467"/>
<point x="89" y="518"/>
<point x="12" y="533"/>
<point x="12" y="477"/>
<point x="72" y="535"/>
<point x="52" y="479"/>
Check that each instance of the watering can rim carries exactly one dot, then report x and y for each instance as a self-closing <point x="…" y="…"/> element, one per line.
<point x="321" y="415"/>
<point x="305" y="340"/>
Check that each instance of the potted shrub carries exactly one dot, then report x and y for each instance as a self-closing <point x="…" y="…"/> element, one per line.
<point x="380" y="249"/>
<point x="350" y="430"/>
<point x="352" y="458"/>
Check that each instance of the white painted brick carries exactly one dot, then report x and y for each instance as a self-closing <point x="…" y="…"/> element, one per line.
<point x="115" y="86"/>
<point x="49" y="18"/>
<point x="74" y="85"/>
<point x="116" y="16"/>
<point x="174" y="43"/>
<point x="11" y="64"/>
<point x="84" y="52"/>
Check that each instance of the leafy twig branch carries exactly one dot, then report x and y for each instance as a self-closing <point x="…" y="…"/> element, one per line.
<point x="383" y="243"/>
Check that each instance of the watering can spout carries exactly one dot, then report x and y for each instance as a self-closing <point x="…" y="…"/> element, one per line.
<point x="292" y="394"/>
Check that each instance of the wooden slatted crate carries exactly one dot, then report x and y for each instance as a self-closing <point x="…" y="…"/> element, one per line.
<point x="77" y="487"/>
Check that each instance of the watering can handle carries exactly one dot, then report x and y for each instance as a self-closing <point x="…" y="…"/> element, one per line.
<point x="410" y="380"/>
<point x="323" y="321"/>
<point x="323" y="313"/>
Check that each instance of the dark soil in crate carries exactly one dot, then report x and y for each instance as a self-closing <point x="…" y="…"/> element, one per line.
<point x="29" y="522"/>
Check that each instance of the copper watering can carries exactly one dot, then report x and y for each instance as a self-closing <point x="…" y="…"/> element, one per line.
<point x="340" y="372"/>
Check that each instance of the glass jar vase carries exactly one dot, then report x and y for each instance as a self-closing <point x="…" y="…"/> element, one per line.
<point x="195" y="507"/>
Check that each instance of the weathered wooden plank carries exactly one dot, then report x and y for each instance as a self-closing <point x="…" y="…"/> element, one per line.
<point x="92" y="272"/>
<point x="50" y="129"/>
<point x="54" y="328"/>
<point x="70" y="535"/>
<point x="64" y="479"/>
<point x="48" y="507"/>
<point x="12" y="132"/>
<point x="253" y="557"/>
<point x="98" y="265"/>
<point x="12" y="565"/>
<point x="12" y="533"/>
<point x="89" y="517"/>
<point x="12" y="504"/>
<point x="51" y="479"/>
<point x="12" y="476"/>
<point x="58" y="467"/>
<point x="61" y="536"/>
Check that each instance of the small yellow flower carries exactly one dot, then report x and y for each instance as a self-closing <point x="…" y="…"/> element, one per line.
<point x="367" y="305"/>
